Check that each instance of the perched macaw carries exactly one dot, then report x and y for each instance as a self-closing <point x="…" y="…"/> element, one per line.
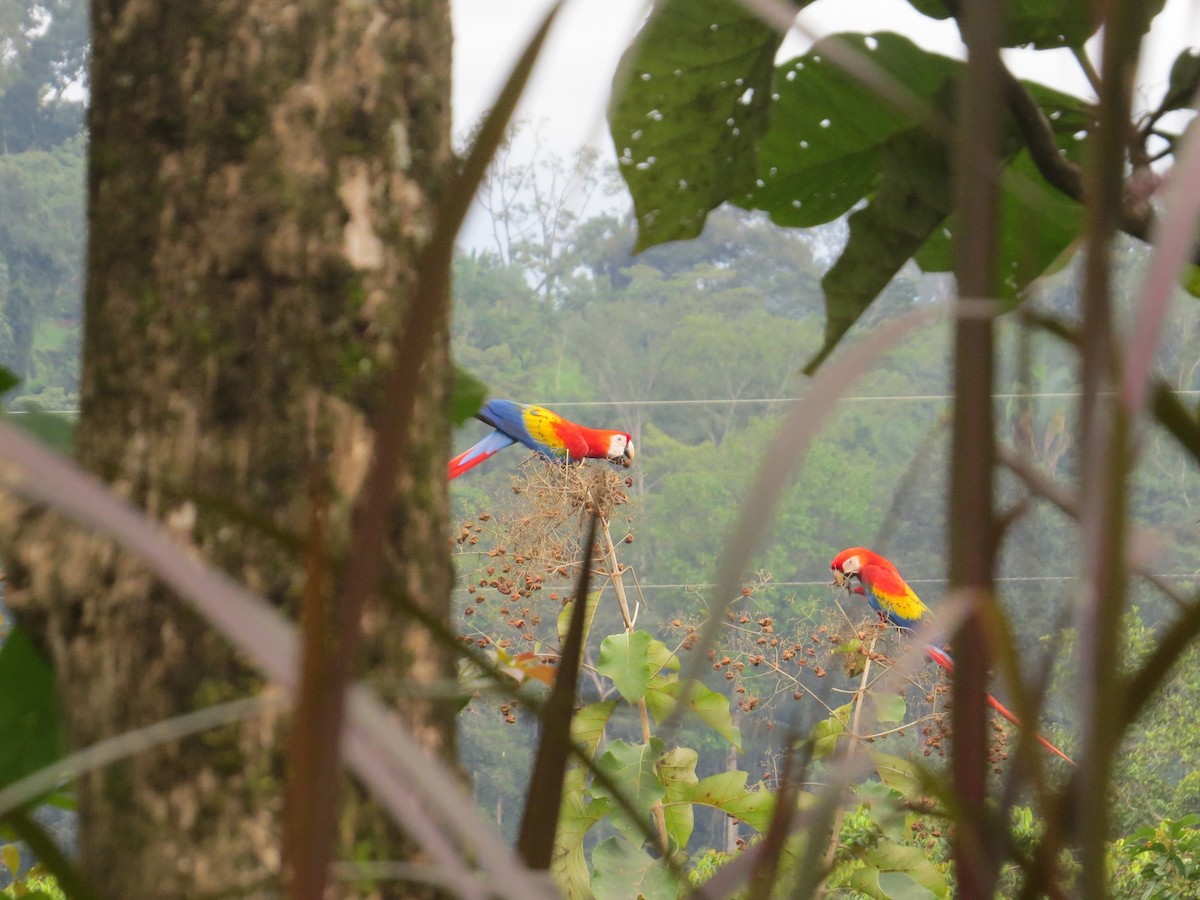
<point x="879" y="581"/>
<point x="543" y="432"/>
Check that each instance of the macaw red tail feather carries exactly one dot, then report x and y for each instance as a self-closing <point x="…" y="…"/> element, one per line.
<point x="473" y="456"/>
<point x="458" y="465"/>
<point x="942" y="658"/>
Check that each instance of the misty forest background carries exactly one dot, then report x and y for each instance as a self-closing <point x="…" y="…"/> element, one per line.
<point x="692" y="347"/>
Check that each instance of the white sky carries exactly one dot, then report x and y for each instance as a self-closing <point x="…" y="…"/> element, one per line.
<point x="571" y="83"/>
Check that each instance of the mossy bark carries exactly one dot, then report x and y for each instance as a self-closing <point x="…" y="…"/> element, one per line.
<point x="262" y="176"/>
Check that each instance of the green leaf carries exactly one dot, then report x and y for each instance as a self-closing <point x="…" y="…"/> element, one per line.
<point x="30" y="721"/>
<point x="899" y="872"/>
<point x="467" y="394"/>
<point x="1037" y="226"/>
<point x="1042" y="23"/>
<point x="1184" y="80"/>
<point x="576" y="817"/>
<point x="899" y="774"/>
<point x="661" y="658"/>
<point x="824" y="150"/>
<point x="707" y="705"/>
<point x="623" y="870"/>
<point x="587" y="725"/>
<point x="825" y="733"/>
<point x="727" y="792"/>
<point x="625" y="659"/>
<point x="911" y="201"/>
<point x="8" y="380"/>
<point x="690" y="100"/>
<point x="677" y="772"/>
<point x="631" y="768"/>
<point x="889" y="885"/>
<point x="888" y="707"/>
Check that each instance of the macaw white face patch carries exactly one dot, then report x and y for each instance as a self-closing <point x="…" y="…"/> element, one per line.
<point x="620" y="445"/>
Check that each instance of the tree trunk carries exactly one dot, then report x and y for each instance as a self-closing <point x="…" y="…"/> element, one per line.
<point x="263" y="174"/>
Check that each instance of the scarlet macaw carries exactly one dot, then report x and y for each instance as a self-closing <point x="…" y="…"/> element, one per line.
<point x="897" y="603"/>
<point x="543" y="432"/>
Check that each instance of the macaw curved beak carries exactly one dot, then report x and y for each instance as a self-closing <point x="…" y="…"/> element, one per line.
<point x="629" y="451"/>
<point x="840" y="577"/>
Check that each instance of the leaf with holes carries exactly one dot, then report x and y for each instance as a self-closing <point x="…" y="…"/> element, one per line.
<point x="690" y="100"/>
<point x="1043" y="23"/>
<point x="824" y="150"/>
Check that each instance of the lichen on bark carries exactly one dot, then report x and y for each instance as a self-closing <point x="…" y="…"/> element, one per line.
<point x="263" y="176"/>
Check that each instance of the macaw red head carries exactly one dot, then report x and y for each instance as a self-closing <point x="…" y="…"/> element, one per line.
<point x="849" y="562"/>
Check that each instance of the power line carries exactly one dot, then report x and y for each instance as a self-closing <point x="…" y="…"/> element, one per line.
<point x="1003" y="579"/>
<point x="888" y="398"/>
<point x="761" y="401"/>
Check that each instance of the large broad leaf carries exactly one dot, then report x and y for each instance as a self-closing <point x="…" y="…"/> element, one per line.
<point x="690" y="100"/>
<point x="824" y="150"/>
<point x="576" y="817"/>
<point x="1037" y="227"/>
<point x="677" y="772"/>
<point x="910" y="203"/>
<point x="1045" y="24"/>
<point x="624" y="870"/>
<point x="1042" y="23"/>
<point x="708" y="706"/>
<point x="587" y="725"/>
<point x="31" y="730"/>
<point x="898" y="872"/>
<point x="727" y="792"/>
<point x="625" y="658"/>
<point x="834" y="141"/>
<point x="631" y="768"/>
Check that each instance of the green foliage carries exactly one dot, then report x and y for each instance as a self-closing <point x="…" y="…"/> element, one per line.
<point x="623" y="869"/>
<point x="625" y="659"/>
<point x="467" y="394"/>
<point x="41" y="252"/>
<point x="858" y="120"/>
<point x="32" y="884"/>
<point x="1161" y="862"/>
<point x="1045" y="24"/>
<point x="29" y="715"/>
<point x="692" y="93"/>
